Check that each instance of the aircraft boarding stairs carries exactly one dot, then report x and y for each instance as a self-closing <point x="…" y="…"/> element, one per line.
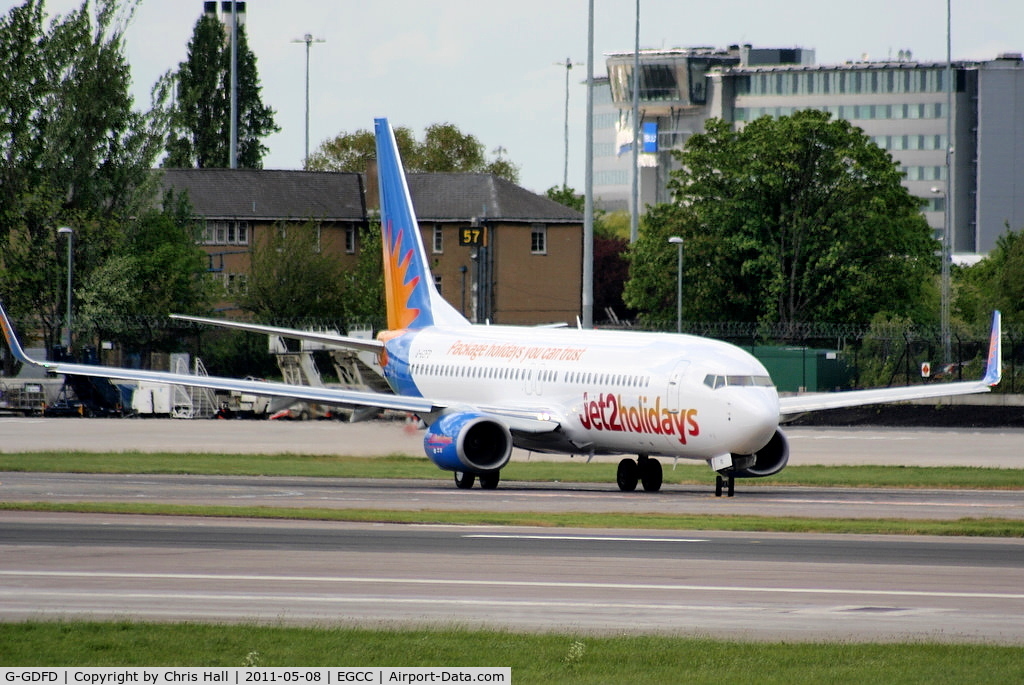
<point x="357" y="371"/>
<point x="189" y="402"/>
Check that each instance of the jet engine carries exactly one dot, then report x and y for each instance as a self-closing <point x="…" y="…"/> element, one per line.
<point x="468" y="442"/>
<point x="767" y="461"/>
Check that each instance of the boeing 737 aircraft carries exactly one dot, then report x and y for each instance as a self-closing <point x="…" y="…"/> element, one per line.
<point x="483" y="389"/>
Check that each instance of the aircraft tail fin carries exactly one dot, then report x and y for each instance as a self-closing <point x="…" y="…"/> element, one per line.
<point x="412" y="299"/>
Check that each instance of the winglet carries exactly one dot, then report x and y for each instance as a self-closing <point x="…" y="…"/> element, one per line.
<point x="994" y="368"/>
<point x="12" y="340"/>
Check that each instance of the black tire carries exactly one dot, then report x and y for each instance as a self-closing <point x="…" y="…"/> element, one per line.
<point x="719" y="482"/>
<point x="489" y="481"/>
<point x="651" y="475"/>
<point x="463" y="480"/>
<point x="627" y="475"/>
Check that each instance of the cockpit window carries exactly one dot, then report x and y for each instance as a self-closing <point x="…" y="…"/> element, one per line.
<point x="715" y="382"/>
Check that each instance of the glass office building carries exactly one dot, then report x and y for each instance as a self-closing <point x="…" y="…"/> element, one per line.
<point x="900" y="104"/>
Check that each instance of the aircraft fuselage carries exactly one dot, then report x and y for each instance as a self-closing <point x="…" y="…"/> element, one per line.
<point x="612" y="392"/>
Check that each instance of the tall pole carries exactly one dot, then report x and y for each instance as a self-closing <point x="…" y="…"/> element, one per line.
<point x="308" y="40"/>
<point x="568" y="64"/>
<point x="678" y="242"/>
<point x="947" y="232"/>
<point x="233" y="151"/>
<point x="588" y="182"/>
<point x="70" y="233"/>
<point x="634" y="214"/>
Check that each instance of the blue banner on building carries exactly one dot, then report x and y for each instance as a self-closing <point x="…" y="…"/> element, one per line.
<point x="650" y="136"/>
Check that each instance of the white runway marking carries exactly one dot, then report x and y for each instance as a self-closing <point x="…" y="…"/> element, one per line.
<point x="588" y="538"/>
<point x="467" y="582"/>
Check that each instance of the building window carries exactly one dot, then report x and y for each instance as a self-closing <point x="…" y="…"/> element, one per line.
<point x="222" y="232"/>
<point x="235" y="284"/>
<point x="437" y="284"/>
<point x="539" y="239"/>
<point x="350" y="239"/>
<point x="438" y="239"/>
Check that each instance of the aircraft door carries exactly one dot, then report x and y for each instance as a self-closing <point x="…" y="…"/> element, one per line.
<point x="676" y="403"/>
<point x="534" y="381"/>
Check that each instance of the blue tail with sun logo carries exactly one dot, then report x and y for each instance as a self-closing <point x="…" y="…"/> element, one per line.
<point x="412" y="300"/>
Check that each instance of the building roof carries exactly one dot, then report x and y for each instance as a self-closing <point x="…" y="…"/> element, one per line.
<point x="460" y="197"/>
<point x="271" y="195"/>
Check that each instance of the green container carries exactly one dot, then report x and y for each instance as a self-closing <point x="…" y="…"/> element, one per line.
<point x="809" y="369"/>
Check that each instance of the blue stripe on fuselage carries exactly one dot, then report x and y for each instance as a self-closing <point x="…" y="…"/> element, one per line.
<point x="397" y="371"/>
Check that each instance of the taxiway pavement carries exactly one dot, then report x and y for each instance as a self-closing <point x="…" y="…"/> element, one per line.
<point x="988" y="447"/>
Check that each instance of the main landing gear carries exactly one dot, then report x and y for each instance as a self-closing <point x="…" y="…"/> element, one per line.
<point x="644" y="470"/>
<point x="488" y="481"/>
<point x="726" y="482"/>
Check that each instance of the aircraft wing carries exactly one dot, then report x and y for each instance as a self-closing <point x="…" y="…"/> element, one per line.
<point x="527" y="421"/>
<point x="362" y="344"/>
<point x="299" y="392"/>
<point x="799" y="404"/>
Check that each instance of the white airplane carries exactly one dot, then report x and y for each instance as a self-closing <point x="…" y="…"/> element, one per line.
<point x="483" y="389"/>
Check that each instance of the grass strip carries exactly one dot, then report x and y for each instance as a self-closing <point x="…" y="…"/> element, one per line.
<point x="980" y="527"/>
<point x="533" y="658"/>
<point x="576" y="471"/>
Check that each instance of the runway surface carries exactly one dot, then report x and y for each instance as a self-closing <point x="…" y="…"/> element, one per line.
<point x="736" y="585"/>
<point x="751" y="586"/>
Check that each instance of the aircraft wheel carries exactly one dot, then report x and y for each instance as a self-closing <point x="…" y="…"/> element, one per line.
<point x="463" y="480"/>
<point x="651" y="475"/>
<point x="627" y="475"/>
<point x="725" y="483"/>
<point x="489" y="481"/>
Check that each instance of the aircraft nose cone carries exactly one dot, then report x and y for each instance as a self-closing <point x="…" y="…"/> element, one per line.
<point x="755" y="418"/>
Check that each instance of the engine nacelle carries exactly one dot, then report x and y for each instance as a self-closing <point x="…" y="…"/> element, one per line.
<point x="768" y="460"/>
<point x="468" y="442"/>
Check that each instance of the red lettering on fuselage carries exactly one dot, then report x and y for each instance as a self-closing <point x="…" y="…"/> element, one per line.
<point x="608" y="412"/>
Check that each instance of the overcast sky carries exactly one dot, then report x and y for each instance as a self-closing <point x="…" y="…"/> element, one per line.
<point x="488" y="66"/>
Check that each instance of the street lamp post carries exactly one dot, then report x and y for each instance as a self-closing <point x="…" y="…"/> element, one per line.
<point x="70" y="233"/>
<point x="308" y="40"/>
<point x="568" y="64"/>
<point x="678" y="242"/>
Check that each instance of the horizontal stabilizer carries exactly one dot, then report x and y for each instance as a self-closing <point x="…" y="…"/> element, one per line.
<point x="331" y="339"/>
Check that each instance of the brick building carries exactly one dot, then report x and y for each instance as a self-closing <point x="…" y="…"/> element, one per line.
<point x="519" y="259"/>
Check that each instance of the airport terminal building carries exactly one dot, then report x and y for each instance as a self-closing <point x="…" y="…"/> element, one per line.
<point x="901" y="104"/>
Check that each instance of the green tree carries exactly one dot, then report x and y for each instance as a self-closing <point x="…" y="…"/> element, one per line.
<point x="158" y="269"/>
<point x="444" y="149"/>
<point x="354" y="152"/>
<point x="293" y="278"/>
<point x="564" y="195"/>
<point x="790" y="219"/>
<point x="200" y="117"/>
<point x="996" y="282"/>
<point x="73" y="152"/>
